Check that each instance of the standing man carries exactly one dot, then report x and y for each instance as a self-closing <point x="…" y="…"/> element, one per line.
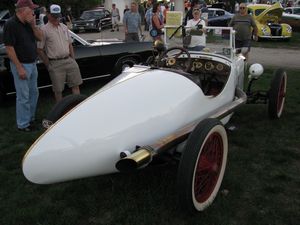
<point x="242" y="24"/>
<point x="57" y="53"/>
<point x="132" y="23"/>
<point x="115" y="17"/>
<point x="20" y="35"/>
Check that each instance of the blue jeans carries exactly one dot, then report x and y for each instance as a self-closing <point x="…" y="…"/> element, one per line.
<point x="27" y="94"/>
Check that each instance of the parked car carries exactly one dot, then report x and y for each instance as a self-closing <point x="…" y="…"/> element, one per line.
<point x="291" y="16"/>
<point x="267" y="19"/>
<point x="95" y="20"/>
<point x="218" y="17"/>
<point x="96" y="59"/>
<point x="292" y="10"/>
<point x="173" y="109"/>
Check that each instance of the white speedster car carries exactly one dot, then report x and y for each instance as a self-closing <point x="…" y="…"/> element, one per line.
<point x="177" y="105"/>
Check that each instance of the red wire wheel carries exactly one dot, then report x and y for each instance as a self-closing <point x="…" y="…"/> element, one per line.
<point x="202" y="166"/>
<point x="277" y="93"/>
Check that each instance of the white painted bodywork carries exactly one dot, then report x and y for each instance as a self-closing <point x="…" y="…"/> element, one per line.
<point x="138" y="107"/>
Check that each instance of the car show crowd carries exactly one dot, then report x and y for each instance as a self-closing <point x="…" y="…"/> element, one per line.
<point x="25" y="39"/>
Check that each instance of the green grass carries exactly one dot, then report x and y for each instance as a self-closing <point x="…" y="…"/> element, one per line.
<point x="262" y="177"/>
<point x="293" y="43"/>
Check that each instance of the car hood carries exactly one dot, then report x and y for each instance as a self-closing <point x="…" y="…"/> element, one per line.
<point x="84" y="20"/>
<point x="272" y="13"/>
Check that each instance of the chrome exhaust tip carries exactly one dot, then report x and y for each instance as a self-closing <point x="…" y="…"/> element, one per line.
<point x="136" y="160"/>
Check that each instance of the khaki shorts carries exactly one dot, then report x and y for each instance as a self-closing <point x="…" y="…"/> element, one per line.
<point x="64" y="71"/>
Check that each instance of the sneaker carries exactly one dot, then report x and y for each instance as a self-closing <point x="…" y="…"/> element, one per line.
<point x="118" y="29"/>
<point x="26" y="129"/>
<point x="112" y="30"/>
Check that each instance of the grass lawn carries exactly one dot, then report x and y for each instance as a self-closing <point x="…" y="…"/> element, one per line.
<point x="260" y="186"/>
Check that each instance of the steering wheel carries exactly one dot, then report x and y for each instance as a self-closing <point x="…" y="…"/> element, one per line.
<point x="170" y="57"/>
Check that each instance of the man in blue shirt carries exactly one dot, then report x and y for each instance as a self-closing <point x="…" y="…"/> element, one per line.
<point x="132" y="23"/>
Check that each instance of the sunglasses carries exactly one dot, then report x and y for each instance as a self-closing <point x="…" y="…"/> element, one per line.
<point x="242" y="7"/>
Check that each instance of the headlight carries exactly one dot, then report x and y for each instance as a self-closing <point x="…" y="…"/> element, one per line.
<point x="265" y="30"/>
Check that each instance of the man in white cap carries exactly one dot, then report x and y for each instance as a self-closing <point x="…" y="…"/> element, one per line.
<point x="57" y="53"/>
<point x="20" y="35"/>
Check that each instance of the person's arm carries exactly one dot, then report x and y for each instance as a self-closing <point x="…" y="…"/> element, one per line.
<point x="71" y="49"/>
<point x="42" y="55"/>
<point x="231" y="23"/>
<point x="38" y="34"/>
<point x="11" y="53"/>
<point x="253" y="25"/>
<point x="41" y="52"/>
<point x="140" y="25"/>
<point x="125" y="23"/>
<point x="157" y="22"/>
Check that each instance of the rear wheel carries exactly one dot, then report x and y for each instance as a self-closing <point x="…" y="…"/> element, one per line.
<point x="61" y="108"/>
<point x="202" y="166"/>
<point x="277" y="94"/>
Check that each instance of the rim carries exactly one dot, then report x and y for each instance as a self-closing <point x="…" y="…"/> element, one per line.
<point x="281" y="95"/>
<point x="208" y="167"/>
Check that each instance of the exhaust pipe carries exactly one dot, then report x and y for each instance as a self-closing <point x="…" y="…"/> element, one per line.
<point x="142" y="157"/>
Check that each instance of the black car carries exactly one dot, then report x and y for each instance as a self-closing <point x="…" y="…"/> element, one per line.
<point x="218" y="17"/>
<point x="96" y="59"/>
<point x="93" y="20"/>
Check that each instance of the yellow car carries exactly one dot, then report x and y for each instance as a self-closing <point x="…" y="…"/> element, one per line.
<point x="267" y="19"/>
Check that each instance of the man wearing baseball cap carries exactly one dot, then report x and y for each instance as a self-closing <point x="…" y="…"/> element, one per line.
<point x="20" y="35"/>
<point x="57" y="53"/>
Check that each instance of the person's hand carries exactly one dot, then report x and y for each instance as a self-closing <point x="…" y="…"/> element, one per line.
<point x="30" y="19"/>
<point x="21" y="72"/>
<point x="126" y="31"/>
<point x="255" y="38"/>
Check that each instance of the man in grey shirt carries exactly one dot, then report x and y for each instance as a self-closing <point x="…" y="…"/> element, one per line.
<point x="132" y="23"/>
<point x="242" y="23"/>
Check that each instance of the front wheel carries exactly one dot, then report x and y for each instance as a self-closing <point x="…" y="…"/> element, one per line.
<point x="277" y="94"/>
<point x="123" y="64"/>
<point x="61" y="108"/>
<point x="202" y="165"/>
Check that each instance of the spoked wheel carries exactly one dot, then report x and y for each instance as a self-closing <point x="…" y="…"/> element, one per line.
<point x="202" y="166"/>
<point x="277" y="94"/>
<point x="61" y="108"/>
